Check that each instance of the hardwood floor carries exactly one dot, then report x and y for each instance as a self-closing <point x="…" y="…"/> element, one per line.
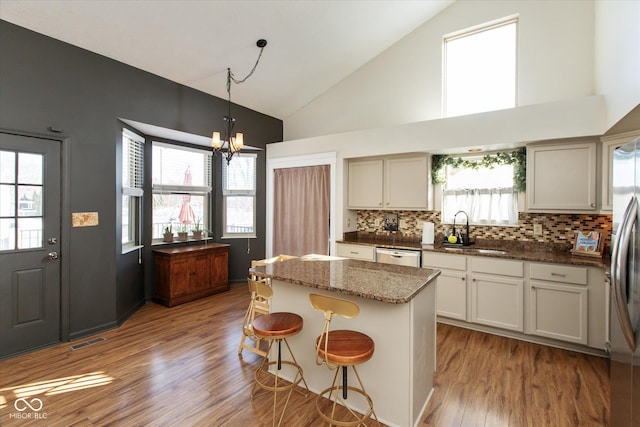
<point x="179" y="367"/>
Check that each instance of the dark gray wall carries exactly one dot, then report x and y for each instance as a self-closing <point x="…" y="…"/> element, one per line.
<point x="45" y="82"/>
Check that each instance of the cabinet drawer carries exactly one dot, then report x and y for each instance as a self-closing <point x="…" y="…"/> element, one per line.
<point x="559" y="273"/>
<point x="365" y="253"/>
<point x="497" y="266"/>
<point x="450" y="262"/>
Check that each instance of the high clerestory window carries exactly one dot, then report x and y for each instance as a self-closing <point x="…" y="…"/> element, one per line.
<point x="480" y="68"/>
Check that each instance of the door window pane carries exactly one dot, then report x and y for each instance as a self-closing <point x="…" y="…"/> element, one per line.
<point x="7" y="200"/>
<point x="7" y="167"/>
<point x="29" y="233"/>
<point x="29" y="168"/>
<point x="29" y="200"/>
<point x="21" y="203"/>
<point x="7" y="234"/>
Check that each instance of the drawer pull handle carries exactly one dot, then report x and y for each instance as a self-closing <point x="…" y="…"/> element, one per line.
<point x="558" y="274"/>
<point x="354" y="252"/>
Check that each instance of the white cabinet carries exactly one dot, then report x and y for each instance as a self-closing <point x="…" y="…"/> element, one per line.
<point x="497" y="299"/>
<point x="558" y="311"/>
<point x="361" y="252"/>
<point x="559" y="302"/>
<point x="365" y="184"/>
<point x="405" y="183"/>
<point x="390" y="183"/>
<point x="562" y="177"/>
<point x="566" y="303"/>
<point x="451" y="291"/>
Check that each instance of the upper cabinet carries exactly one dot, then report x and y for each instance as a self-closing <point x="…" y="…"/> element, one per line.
<point x="562" y="177"/>
<point x="609" y="145"/>
<point x="390" y="183"/>
<point x="365" y="184"/>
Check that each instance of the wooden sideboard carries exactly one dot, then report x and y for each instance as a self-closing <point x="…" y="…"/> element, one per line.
<point x="186" y="273"/>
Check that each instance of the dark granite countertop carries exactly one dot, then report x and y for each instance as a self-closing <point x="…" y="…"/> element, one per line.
<point x="524" y="251"/>
<point x="383" y="282"/>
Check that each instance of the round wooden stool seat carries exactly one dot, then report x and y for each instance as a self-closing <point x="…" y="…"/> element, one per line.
<point x="346" y="347"/>
<point x="277" y="325"/>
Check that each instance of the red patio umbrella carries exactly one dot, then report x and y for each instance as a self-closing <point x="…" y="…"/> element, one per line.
<point x="186" y="211"/>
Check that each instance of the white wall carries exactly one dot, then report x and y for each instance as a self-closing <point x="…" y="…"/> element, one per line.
<point x="404" y="83"/>
<point x="617" y="47"/>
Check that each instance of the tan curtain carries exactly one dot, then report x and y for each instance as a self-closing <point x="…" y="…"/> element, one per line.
<point x="301" y="211"/>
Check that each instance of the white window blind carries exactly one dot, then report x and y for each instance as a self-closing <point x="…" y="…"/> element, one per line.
<point x="132" y="164"/>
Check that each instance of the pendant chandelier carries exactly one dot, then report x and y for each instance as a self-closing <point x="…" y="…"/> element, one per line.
<point x="230" y="144"/>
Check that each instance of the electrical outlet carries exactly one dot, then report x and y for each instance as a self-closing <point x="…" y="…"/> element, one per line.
<point x="537" y="229"/>
<point x="377" y="222"/>
<point x="401" y="223"/>
<point x="348" y="222"/>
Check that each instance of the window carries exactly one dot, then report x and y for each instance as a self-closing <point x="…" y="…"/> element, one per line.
<point x="132" y="189"/>
<point x="239" y="196"/>
<point x="181" y="188"/>
<point x="480" y="69"/>
<point x="485" y="192"/>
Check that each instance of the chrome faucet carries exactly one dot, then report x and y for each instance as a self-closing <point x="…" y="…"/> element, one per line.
<point x="466" y="241"/>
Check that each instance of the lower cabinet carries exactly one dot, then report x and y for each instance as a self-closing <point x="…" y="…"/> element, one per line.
<point x="559" y="303"/>
<point x="451" y="291"/>
<point x="558" y="311"/>
<point x="567" y="303"/>
<point x="451" y="295"/>
<point x="186" y="273"/>
<point x="497" y="299"/>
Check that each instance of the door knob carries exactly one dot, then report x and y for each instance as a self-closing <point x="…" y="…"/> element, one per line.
<point x="52" y="255"/>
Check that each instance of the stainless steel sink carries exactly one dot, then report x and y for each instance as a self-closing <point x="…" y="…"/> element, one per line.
<point x="476" y="250"/>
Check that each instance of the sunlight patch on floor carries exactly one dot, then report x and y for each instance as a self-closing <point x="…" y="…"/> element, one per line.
<point x="55" y="386"/>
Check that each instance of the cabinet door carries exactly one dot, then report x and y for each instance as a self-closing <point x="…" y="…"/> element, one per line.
<point x="451" y="295"/>
<point x="180" y="272"/>
<point x="405" y="184"/>
<point x="365" y="184"/>
<point x="219" y="270"/>
<point x="497" y="301"/>
<point x="561" y="177"/>
<point x="559" y="311"/>
<point x="200" y="274"/>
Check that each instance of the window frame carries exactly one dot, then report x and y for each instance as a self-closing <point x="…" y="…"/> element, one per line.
<point x="133" y="165"/>
<point x="186" y="190"/>
<point x="226" y="193"/>
<point x="491" y="222"/>
<point x="470" y="32"/>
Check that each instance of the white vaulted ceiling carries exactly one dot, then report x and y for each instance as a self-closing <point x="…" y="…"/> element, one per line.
<point x="312" y="45"/>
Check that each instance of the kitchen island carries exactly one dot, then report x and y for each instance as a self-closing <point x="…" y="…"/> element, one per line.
<point x="397" y="310"/>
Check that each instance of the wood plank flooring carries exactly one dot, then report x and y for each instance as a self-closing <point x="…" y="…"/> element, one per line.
<point x="179" y="367"/>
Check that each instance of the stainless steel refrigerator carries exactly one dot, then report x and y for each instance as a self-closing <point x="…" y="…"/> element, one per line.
<point x="624" y="333"/>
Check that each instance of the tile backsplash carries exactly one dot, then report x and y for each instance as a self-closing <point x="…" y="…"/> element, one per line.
<point x="556" y="228"/>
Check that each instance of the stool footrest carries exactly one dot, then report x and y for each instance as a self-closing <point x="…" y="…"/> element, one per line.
<point x="331" y="397"/>
<point x="264" y="378"/>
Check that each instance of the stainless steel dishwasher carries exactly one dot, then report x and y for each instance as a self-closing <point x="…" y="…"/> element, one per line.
<point x="398" y="257"/>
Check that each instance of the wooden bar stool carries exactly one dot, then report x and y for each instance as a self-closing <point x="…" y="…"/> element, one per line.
<point x="276" y="328"/>
<point x="339" y="350"/>
<point x="258" y="305"/>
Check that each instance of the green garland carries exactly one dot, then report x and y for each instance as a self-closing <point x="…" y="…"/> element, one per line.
<point x="517" y="158"/>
